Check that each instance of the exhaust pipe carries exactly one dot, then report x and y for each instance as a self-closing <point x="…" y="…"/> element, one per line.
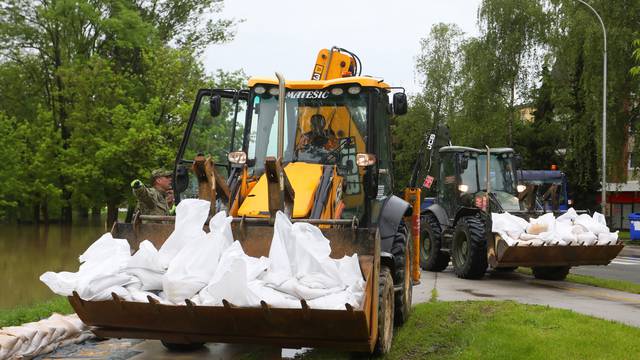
<point x="281" y="97"/>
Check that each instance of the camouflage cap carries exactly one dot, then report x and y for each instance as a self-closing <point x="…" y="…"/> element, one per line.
<point x="160" y="173"/>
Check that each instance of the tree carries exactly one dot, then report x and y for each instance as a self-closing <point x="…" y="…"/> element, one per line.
<point x="438" y="65"/>
<point x="91" y="64"/>
<point x="513" y="31"/>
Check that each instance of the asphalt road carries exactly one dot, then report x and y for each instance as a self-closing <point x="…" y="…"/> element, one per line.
<point x="624" y="267"/>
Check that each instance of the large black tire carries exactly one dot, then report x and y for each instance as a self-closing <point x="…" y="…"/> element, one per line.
<point x="469" y="248"/>
<point x="431" y="257"/>
<point x="385" y="311"/>
<point x="176" y="347"/>
<point x="551" y="272"/>
<point x="401" y="250"/>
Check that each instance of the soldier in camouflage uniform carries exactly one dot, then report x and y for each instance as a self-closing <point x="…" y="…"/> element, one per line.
<point x="153" y="200"/>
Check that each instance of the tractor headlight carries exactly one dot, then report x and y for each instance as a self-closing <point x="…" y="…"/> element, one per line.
<point x="363" y="159"/>
<point x="274" y="91"/>
<point x="354" y="90"/>
<point x="237" y="157"/>
<point x="337" y="91"/>
<point x="259" y="90"/>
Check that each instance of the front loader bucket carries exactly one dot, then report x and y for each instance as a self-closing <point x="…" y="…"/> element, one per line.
<point x="349" y="329"/>
<point x="503" y="255"/>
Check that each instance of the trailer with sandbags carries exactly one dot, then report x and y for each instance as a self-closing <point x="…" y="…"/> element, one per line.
<point x="280" y="152"/>
<point x="478" y="219"/>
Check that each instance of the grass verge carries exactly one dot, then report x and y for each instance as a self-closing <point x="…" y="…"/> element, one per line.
<point x="24" y="314"/>
<point x="508" y="330"/>
<point x="595" y="281"/>
<point x="504" y="330"/>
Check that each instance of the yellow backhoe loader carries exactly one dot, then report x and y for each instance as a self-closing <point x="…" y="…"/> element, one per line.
<point x="318" y="150"/>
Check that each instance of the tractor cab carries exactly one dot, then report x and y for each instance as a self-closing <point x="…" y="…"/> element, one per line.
<point x="337" y="125"/>
<point x="463" y="179"/>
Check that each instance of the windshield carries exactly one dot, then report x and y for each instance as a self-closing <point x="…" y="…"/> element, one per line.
<point x="502" y="175"/>
<point x="319" y="127"/>
<point x="211" y="136"/>
<point x="215" y="137"/>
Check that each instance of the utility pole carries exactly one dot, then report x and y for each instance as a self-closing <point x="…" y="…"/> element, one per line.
<point x="604" y="110"/>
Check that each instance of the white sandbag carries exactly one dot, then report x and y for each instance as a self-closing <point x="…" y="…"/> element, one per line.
<point x="565" y="232"/>
<point x="191" y="215"/>
<point x="528" y="237"/>
<point x="272" y="296"/>
<point x="196" y="263"/>
<point x="587" y="238"/>
<point x="62" y="283"/>
<point x="105" y="246"/>
<point x="591" y="224"/>
<point x="232" y="277"/>
<point x="312" y="265"/>
<point x="142" y="296"/>
<point x="535" y="229"/>
<point x="337" y="301"/>
<point x="32" y="339"/>
<point x="280" y="265"/>
<point x="509" y="226"/>
<point x="145" y="265"/>
<point x="607" y="238"/>
<point x="547" y="219"/>
<point x="349" y="270"/>
<point x="101" y="263"/>
<point x="569" y="216"/>
<point x="599" y="218"/>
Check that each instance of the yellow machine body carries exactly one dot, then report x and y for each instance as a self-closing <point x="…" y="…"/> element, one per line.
<point x="304" y="179"/>
<point x="332" y="64"/>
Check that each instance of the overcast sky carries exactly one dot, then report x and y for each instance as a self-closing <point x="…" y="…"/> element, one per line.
<point x="286" y="35"/>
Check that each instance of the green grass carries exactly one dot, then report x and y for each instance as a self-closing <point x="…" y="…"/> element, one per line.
<point x="504" y="330"/>
<point x="24" y="314"/>
<point x="508" y="330"/>
<point x="595" y="281"/>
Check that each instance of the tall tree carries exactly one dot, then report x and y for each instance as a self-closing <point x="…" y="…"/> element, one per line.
<point x="438" y="66"/>
<point x="514" y="32"/>
<point x="86" y="58"/>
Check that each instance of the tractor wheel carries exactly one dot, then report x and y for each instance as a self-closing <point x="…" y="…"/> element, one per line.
<point x="551" y="272"/>
<point x="177" y="347"/>
<point x="385" y="311"/>
<point x="469" y="248"/>
<point x="401" y="250"/>
<point x="431" y="257"/>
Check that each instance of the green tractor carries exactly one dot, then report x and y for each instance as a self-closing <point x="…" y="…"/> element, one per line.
<point x="470" y="185"/>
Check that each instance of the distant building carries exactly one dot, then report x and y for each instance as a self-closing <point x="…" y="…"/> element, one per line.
<point x="526" y="113"/>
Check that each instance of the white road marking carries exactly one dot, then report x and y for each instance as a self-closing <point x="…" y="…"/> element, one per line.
<point x="624" y="260"/>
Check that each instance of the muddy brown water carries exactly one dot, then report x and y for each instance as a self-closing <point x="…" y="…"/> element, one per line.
<point x="27" y="251"/>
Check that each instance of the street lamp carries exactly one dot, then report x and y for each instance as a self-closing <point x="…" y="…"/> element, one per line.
<point x="604" y="110"/>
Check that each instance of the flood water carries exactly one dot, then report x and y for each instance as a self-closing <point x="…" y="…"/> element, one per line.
<point x="27" y="251"/>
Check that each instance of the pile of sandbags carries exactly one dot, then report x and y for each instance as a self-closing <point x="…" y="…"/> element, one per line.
<point x="41" y="337"/>
<point x="209" y="267"/>
<point x="568" y="229"/>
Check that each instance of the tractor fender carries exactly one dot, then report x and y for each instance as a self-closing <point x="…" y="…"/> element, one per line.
<point x="386" y="259"/>
<point x="393" y="210"/>
<point x="440" y="213"/>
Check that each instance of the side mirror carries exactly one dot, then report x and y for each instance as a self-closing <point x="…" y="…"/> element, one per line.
<point x="400" y="105"/>
<point x="215" y="105"/>
<point x="181" y="179"/>
<point x="464" y="162"/>
<point x="517" y="161"/>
